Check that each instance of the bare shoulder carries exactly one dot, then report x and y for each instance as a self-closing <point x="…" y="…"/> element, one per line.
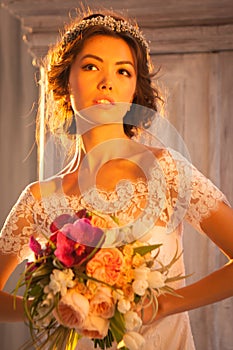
<point x="57" y="184"/>
<point x="45" y="188"/>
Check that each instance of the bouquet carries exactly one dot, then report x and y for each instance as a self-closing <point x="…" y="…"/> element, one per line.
<point x="76" y="287"/>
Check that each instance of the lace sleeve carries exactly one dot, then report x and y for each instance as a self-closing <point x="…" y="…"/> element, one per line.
<point x="191" y="196"/>
<point x="205" y="198"/>
<point x="18" y="227"/>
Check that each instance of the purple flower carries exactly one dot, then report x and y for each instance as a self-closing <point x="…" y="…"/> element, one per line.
<point x="63" y="219"/>
<point x="76" y="241"/>
<point x="60" y="221"/>
<point x="35" y="246"/>
<point x="82" y="231"/>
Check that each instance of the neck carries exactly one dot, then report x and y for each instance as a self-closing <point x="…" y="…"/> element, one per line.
<point x="103" y="134"/>
<point x="102" y="144"/>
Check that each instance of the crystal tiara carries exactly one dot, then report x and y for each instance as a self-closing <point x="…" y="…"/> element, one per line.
<point x="118" y="26"/>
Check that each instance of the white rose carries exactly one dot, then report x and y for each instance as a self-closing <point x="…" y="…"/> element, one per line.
<point x="133" y="340"/>
<point x="141" y="273"/>
<point x="140" y="286"/>
<point x="60" y="281"/>
<point x="123" y="306"/>
<point x="156" y="279"/>
<point x="132" y="321"/>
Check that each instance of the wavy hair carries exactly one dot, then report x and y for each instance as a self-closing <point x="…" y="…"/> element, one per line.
<point x="57" y="64"/>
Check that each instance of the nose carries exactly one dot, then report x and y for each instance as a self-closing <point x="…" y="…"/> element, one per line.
<point x="105" y="85"/>
<point x="106" y="80"/>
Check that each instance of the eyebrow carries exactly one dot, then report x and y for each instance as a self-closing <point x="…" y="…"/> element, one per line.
<point x="101" y="60"/>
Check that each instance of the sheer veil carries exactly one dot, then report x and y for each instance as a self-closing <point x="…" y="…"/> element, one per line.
<point x="63" y="156"/>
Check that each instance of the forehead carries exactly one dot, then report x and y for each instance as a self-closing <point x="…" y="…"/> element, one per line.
<point x="110" y="46"/>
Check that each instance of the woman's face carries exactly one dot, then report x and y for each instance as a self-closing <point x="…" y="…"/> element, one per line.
<point x="102" y="74"/>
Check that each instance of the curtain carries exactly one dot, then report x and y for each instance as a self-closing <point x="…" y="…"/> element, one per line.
<point x="18" y="97"/>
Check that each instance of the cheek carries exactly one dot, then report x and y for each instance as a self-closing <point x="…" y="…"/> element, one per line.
<point x="132" y="91"/>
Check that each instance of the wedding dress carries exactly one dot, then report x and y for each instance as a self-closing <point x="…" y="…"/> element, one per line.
<point x="175" y="191"/>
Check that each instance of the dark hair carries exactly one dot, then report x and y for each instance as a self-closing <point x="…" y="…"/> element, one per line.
<point x="58" y="62"/>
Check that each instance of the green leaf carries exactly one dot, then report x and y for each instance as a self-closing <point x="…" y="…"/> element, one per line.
<point x="117" y="326"/>
<point x="146" y="249"/>
<point x="42" y="271"/>
<point x="35" y="290"/>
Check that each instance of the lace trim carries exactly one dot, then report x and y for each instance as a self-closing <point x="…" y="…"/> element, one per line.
<point x="181" y="192"/>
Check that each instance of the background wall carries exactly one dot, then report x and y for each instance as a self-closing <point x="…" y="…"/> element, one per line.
<point x="199" y="92"/>
<point x="18" y="104"/>
<point x="192" y="43"/>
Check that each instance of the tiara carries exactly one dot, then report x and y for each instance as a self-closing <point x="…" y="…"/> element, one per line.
<point x="118" y="26"/>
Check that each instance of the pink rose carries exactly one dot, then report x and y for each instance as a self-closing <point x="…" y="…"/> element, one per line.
<point x="95" y="327"/>
<point x="72" y="309"/>
<point x="102" y="304"/>
<point x="106" y="265"/>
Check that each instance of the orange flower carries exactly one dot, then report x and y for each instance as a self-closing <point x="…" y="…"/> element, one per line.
<point x="128" y="292"/>
<point x="138" y="260"/>
<point x="106" y="265"/>
<point x="128" y="250"/>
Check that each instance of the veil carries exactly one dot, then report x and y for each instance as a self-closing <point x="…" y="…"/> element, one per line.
<point x="59" y="151"/>
<point x="156" y="133"/>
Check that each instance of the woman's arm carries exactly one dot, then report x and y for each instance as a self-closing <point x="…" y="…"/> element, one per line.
<point x="14" y="248"/>
<point x="214" y="287"/>
<point x="9" y="313"/>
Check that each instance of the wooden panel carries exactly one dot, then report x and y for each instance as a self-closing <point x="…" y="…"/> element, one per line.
<point x="164" y="40"/>
<point x="148" y="12"/>
<point x="184" y="80"/>
<point x="226" y="122"/>
<point x="198" y="90"/>
<point x="186" y="26"/>
<point x="190" y="39"/>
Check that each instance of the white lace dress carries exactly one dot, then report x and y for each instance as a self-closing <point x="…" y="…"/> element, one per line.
<point x="174" y="191"/>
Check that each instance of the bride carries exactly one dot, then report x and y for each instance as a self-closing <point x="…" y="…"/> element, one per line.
<point x="101" y="96"/>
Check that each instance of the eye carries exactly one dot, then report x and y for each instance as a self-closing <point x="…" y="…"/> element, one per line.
<point x="124" y="72"/>
<point x="89" y="66"/>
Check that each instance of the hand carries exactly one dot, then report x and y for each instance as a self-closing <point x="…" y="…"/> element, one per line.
<point x="152" y="309"/>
